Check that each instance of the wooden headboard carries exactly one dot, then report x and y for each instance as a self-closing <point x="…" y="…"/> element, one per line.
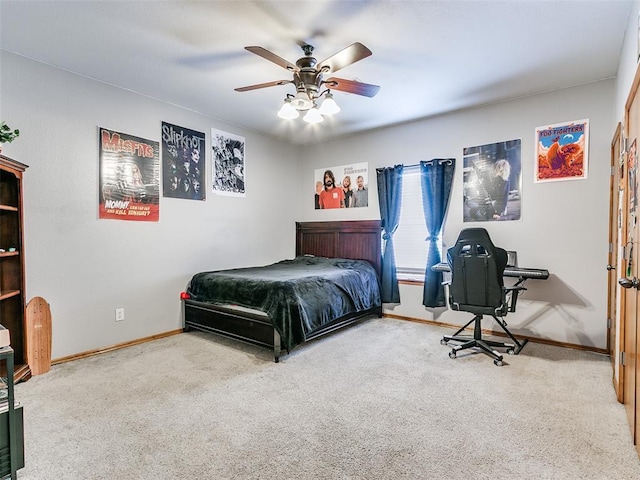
<point x="357" y="240"/>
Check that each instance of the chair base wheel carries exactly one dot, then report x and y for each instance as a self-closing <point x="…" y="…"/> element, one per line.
<point x="444" y="341"/>
<point x="452" y="354"/>
<point x="498" y="363"/>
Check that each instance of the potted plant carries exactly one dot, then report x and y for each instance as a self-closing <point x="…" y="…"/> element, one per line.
<point x="6" y="134"/>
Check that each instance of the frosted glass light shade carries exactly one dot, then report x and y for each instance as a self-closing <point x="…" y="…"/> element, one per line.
<point x="287" y="111"/>
<point x="329" y="106"/>
<point x="301" y="101"/>
<point x="313" y="116"/>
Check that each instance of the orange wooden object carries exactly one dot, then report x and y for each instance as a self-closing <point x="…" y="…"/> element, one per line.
<point x="38" y="334"/>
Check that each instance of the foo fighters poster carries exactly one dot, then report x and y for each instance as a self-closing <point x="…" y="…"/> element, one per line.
<point x="183" y="163"/>
<point x="562" y="151"/>
<point x="129" y="177"/>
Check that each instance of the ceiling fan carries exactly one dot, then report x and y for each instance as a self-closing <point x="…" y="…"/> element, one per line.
<point x="308" y="78"/>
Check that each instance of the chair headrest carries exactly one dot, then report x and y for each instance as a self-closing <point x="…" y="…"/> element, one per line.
<point x="476" y="241"/>
<point x="475" y="235"/>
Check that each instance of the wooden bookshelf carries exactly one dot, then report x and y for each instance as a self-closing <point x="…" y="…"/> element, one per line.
<point x="12" y="278"/>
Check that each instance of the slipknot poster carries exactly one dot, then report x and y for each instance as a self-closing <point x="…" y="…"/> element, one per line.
<point x="129" y="177"/>
<point x="183" y="162"/>
<point x="561" y="151"/>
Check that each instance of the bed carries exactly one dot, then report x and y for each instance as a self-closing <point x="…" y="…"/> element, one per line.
<point x="282" y="305"/>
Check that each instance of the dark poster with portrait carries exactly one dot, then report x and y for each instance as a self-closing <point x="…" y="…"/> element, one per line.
<point x="129" y="177"/>
<point x="492" y="182"/>
<point x="183" y="161"/>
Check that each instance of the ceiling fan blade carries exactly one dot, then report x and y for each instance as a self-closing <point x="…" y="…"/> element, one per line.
<point x="272" y="57"/>
<point x="352" y="86"/>
<point x="345" y="57"/>
<point x="263" y="85"/>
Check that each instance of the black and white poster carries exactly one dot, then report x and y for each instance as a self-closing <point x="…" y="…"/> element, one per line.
<point x="183" y="161"/>
<point x="228" y="176"/>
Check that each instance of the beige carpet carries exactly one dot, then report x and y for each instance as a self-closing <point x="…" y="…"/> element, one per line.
<point x="380" y="400"/>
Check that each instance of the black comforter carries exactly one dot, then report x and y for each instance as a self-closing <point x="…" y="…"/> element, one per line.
<point x="299" y="295"/>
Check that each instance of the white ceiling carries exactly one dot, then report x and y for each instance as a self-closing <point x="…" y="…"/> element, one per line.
<point x="429" y="56"/>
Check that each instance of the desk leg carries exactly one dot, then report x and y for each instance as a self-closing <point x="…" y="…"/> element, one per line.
<point x="13" y="451"/>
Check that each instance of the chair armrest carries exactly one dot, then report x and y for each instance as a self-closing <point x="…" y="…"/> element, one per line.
<point x="514" y="288"/>
<point x="447" y="292"/>
<point x="514" y="291"/>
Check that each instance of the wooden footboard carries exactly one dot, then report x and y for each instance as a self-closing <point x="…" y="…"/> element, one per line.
<point x="240" y="325"/>
<point x="253" y="328"/>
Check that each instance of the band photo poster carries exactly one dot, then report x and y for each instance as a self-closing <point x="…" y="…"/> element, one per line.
<point x="343" y="186"/>
<point x="561" y="151"/>
<point x="228" y="172"/>
<point x="492" y="182"/>
<point x="129" y="177"/>
<point x="183" y="162"/>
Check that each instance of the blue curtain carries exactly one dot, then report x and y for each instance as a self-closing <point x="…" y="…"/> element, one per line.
<point x="389" y="197"/>
<point x="436" y="178"/>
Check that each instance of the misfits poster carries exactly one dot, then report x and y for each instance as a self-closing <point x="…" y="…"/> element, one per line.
<point x="129" y="177"/>
<point x="561" y="151"/>
<point x="228" y="163"/>
<point x="183" y="163"/>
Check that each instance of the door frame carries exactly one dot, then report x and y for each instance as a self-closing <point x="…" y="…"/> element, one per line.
<point x="615" y="320"/>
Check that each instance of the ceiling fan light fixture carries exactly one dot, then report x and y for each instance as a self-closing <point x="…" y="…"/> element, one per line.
<point x="302" y="101"/>
<point x="329" y="105"/>
<point x="287" y="111"/>
<point x="313" y="116"/>
<point x="308" y="81"/>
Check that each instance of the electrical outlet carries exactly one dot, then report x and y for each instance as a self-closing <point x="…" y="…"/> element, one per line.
<point x="119" y="314"/>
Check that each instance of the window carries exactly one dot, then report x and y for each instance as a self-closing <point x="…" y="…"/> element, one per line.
<point x="410" y="237"/>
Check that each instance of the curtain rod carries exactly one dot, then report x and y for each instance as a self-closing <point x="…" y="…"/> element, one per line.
<point x="439" y="160"/>
<point x="416" y="166"/>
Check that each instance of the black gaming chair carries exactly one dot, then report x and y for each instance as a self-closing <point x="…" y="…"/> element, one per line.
<point x="477" y="287"/>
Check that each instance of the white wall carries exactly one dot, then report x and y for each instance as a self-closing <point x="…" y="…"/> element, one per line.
<point x="85" y="267"/>
<point x="628" y="63"/>
<point x="564" y="224"/>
